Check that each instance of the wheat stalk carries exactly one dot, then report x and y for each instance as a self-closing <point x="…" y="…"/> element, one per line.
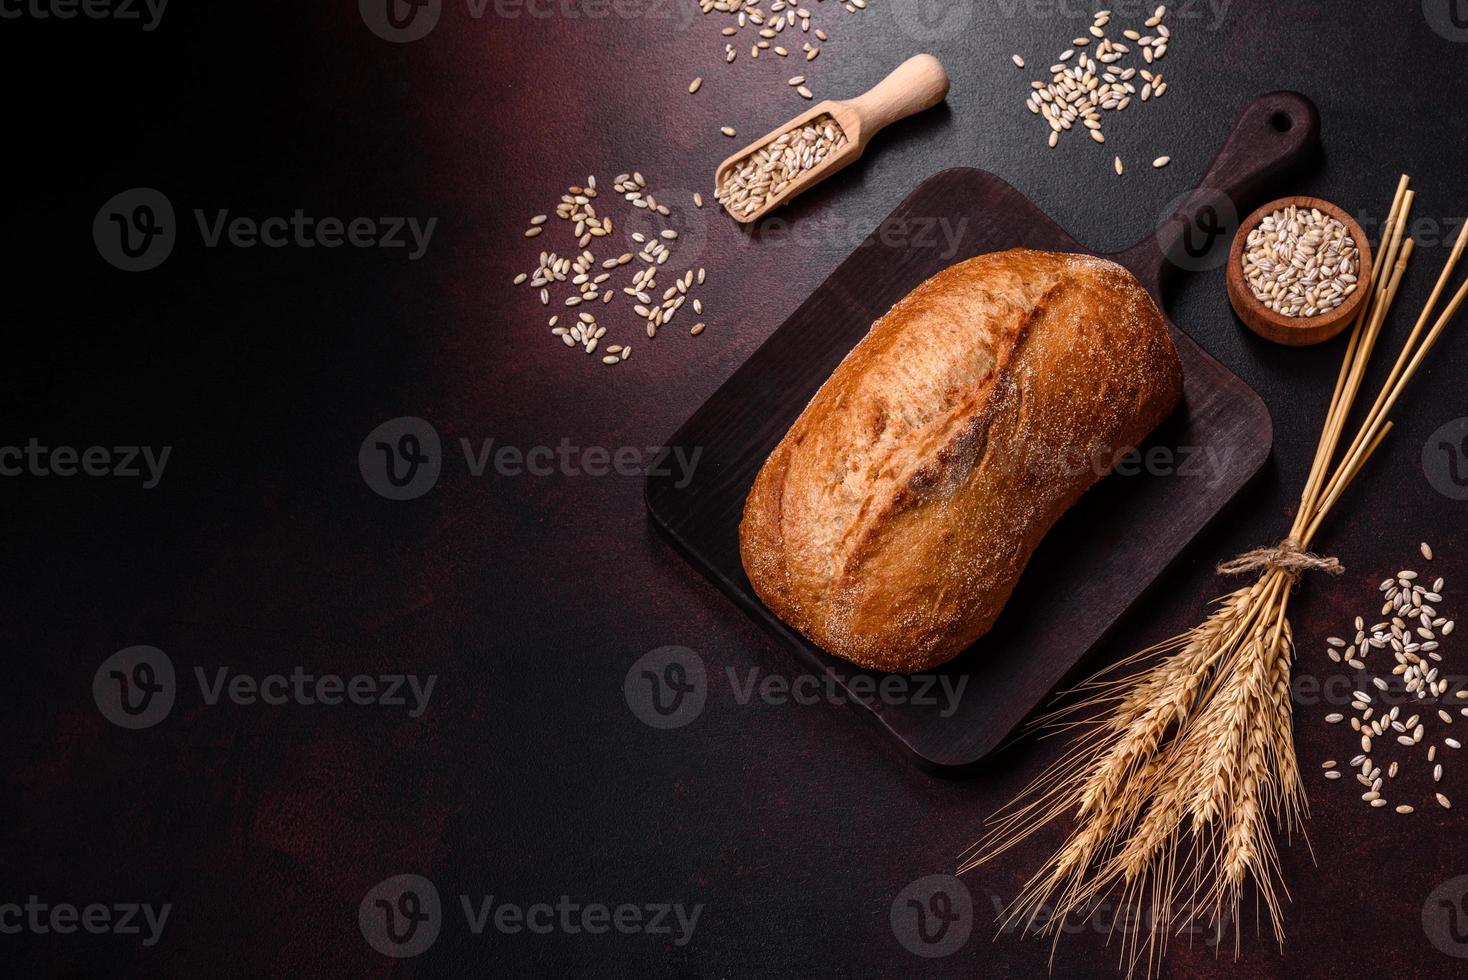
<point x="1183" y="765"/>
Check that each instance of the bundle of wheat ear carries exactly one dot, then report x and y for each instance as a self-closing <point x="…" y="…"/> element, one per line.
<point x="1183" y="765"/>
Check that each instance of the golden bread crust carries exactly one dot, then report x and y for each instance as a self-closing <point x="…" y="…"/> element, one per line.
<point x="892" y="522"/>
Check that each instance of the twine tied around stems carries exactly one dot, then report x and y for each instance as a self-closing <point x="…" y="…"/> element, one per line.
<point x="1287" y="556"/>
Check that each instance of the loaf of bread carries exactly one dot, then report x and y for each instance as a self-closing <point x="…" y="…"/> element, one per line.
<point x="892" y="522"/>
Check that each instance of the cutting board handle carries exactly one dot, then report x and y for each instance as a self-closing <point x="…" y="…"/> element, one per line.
<point x="1274" y="133"/>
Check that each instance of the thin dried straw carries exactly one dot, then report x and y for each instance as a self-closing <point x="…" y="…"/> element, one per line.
<point x="1322" y="449"/>
<point x="1182" y="764"/>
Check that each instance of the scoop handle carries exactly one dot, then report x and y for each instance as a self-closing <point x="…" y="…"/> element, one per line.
<point x="918" y="83"/>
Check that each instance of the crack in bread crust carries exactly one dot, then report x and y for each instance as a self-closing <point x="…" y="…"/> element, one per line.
<point x="895" y="517"/>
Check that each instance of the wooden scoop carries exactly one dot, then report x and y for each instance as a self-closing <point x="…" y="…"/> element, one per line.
<point x="918" y="83"/>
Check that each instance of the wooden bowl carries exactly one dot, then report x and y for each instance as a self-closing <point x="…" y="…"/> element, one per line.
<point x="1294" y="330"/>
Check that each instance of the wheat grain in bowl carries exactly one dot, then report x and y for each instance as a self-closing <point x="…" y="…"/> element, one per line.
<point x="1301" y="262"/>
<point x="749" y="183"/>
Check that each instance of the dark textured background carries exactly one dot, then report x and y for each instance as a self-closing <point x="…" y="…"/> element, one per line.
<point x="528" y="777"/>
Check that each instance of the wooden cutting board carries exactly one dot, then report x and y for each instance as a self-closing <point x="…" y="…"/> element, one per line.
<point x="1101" y="555"/>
